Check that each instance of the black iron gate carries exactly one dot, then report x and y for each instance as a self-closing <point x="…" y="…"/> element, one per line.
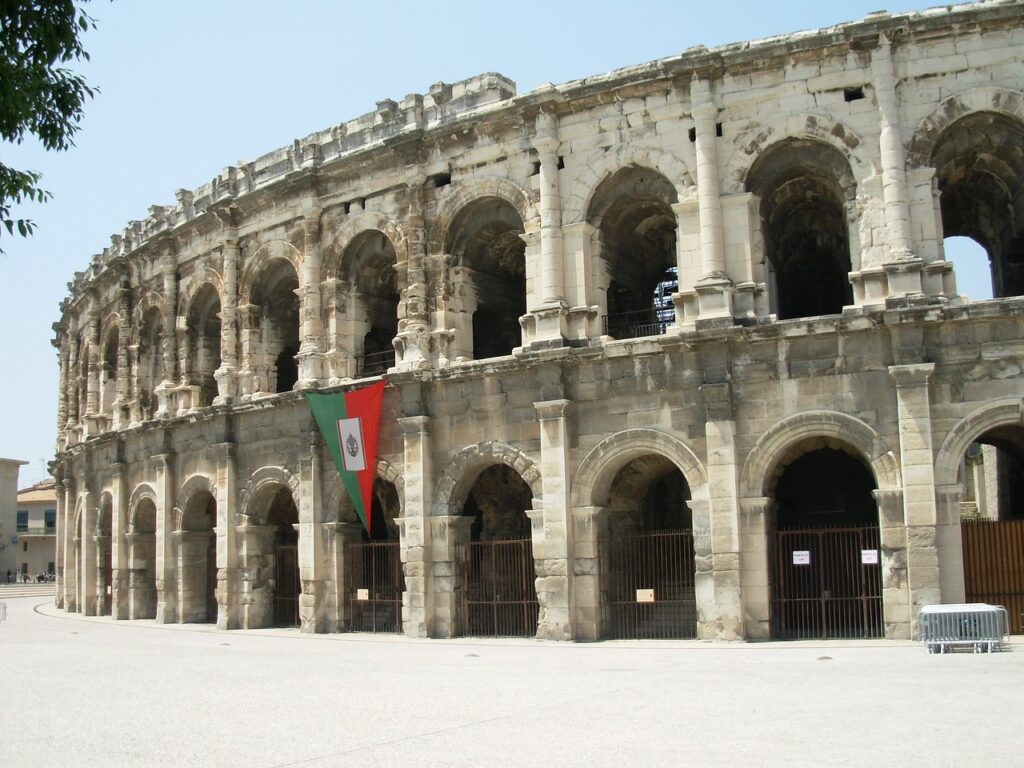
<point x="376" y="585"/>
<point x="286" y="585"/>
<point x="647" y="585"/>
<point x="826" y="583"/>
<point x="500" y="589"/>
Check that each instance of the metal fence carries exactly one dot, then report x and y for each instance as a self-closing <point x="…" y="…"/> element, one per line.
<point x="647" y="585"/>
<point x="636" y="324"/>
<point x="286" y="585"/>
<point x="994" y="565"/>
<point x="376" y="363"/>
<point x="826" y="583"/>
<point x="500" y="589"/>
<point x="377" y="583"/>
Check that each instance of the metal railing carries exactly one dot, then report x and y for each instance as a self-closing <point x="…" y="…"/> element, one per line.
<point x="635" y="324"/>
<point x="377" y="583"/>
<point x="499" y="582"/>
<point x="376" y="363"/>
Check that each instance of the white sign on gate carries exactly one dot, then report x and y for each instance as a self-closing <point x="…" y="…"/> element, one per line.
<point x="801" y="557"/>
<point x="645" y="595"/>
<point x="869" y="557"/>
<point x="362" y="594"/>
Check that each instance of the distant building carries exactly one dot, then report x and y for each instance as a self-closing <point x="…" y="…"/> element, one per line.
<point x="8" y="520"/>
<point x="36" y="529"/>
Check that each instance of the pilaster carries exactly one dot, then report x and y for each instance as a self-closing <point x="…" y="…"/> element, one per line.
<point x="414" y="528"/>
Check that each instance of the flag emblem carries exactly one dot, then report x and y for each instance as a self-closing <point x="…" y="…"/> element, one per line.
<point x="350" y="435"/>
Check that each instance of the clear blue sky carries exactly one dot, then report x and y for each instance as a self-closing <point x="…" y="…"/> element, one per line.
<point x="191" y="86"/>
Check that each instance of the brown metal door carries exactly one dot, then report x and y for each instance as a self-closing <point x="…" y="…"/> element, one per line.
<point x="994" y="565"/>
<point x="211" y="581"/>
<point x="647" y="586"/>
<point x="500" y="589"/>
<point x="376" y="586"/>
<point x="108" y="582"/>
<point x="826" y="583"/>
<point x="286" y="585"/>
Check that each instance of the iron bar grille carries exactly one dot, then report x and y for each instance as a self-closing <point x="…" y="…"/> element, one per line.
<point x="500" y="589"/>
<point x="376" y="567"/>
<point x="836" y="593"/>
<point x="286" y="585"/>
<point x="994" y="565"/>
<point x="647" y="586"/>
<point x="632" y="325"/>
<point x="376" y="363"/>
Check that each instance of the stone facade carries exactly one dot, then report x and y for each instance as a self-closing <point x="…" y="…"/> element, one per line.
<point x="499" y="259"/>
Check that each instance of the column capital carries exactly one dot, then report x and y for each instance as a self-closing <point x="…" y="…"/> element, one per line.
<point x="412" y="425"/>
<point x="553" y="409"/>
<point x="916" y="374"/>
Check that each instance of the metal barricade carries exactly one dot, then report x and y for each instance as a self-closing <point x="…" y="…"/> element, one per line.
<point x="979" y="626"/>
<point x="3" y="610"/>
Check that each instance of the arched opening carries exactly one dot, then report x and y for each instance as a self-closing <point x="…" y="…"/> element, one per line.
<point x="632" y="212"/>
<point x="197" y="559"/>
<point x="142" y="574"/>
<point x="203" y="328"/>
<point x="979" y="164"/>
<point x="825" y="548"/>
<point x="490" y="274"/>
<point x="805" y="188"/>
<point x="375" y="577"/>
<point x="972" y="267"/>
<point x="498" y="576"/>
<point x="283" y="516"/>
<point x="105" y="580"/>
<point x="371" y="259"/>
<point x="108" y="372"/>
<point x="646" y="554"/>
<point x="277" y="304"/>
<point x="148" y="364"/>
<point x="992" y="520"/>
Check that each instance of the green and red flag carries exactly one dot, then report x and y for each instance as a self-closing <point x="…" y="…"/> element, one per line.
<point x="349" y="422"/>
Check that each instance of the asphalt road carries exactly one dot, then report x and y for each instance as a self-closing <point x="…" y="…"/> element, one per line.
<point x="89" y="691"/>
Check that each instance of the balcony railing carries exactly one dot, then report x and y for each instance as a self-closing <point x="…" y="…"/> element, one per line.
<point x="632" y="325"/>
<point x="376" y="363"/>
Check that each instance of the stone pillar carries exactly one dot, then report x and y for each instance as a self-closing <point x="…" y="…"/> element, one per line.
<point x="311" y="356"/>
<point x="448" y="535"/>
<point x="119" y="600"/>
<point x="714" y="289"/>
<point x="87" y="560"/>
<point x="166" y="596"/>
<point x="119" y="410"/>
<point x="726" y="601"/>
<point x="754" y="532"/>
<point x="903" y="269"/>
<point x="73" y="384"/>
<point x="916" y="461"/>
<point x="341" y="536"/>
<point x="589" y="525"/>
<point x="228" y="578"/>
<point x="550" y="313"/>
<point x="312" y="554"/>
<point x="164" y="391"/>
<point x="104" y="590"/>
<point x="61" y="548"/>
<point x="67" y="581"/>
<point x="226" y="374"/>
<point x="62" y="343"/>
<point x="950" y="546"/>
<point x="415" y="530"/>
<point x="552" y="528"/>
<point x="92" y="386"/>
<point x="896" y="612"/>
<point x="413" y="340"/>
<point x="256" y="596"/>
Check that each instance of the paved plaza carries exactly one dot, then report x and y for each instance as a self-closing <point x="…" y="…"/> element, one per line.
<point x="141" y="694"/>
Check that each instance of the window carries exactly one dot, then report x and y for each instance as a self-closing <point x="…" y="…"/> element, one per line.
<point x="22" y="521"/>
<point x="24" y="546"/>
<point x="50" y="520"/>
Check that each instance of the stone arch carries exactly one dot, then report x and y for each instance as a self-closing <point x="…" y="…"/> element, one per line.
<point x="470" y="191"/>
<point x="355" y="226"/>
<point x="1002" y="101"/>
<point x="142" y="492"/>
<point x="604" y="165"/>
<point x="772" y="447"/>
<point x="459" y="475"/>
<point x="192" y="284"/>
<point x="195" y="484"/>
<point x="593" y="479"/>
<point x="998" y="413"/>
<point x="755" y="141"/>
<point x="148" y="301"/>
<point x="260" y="480"/>
<point x="105" y="513"/>
<point x="334" y="489"/>
<point x="264" y="254"/>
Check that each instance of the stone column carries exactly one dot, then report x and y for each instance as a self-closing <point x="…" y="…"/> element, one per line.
<point x="311" y="356"/>
<point x="413" y="340"/>
<point x="589" y="524"/>
<point x="714" y="289"/>
<point x="228" y="579"/>
<point x="754" y="532"/>
<point x="166" y="597"/>
<point x="87" y="561"/>
<point x="904" y="268"/>
<point x="73" y="384"/>
<point x="552" y="537"/>
<point x="949" y="542"/>
<point x="69" y="587"/>
<point x="550" y="313"/>
<point x="164" y="391"/>
<point x="448" y="534"/>
<point x="119" y="599"/>
<point x="60" y="540"/>
<point x="415" y="530"/>
<point x="92" y="387"/>
<point x="341" y="536"/>
<point x="896" y="610"/>
<point x="119" y="410"/>
<point x="256" y="556"/>
<point x="312" y="557"/>
<point x="62" y="343"/>
<point x="227" y="384"/>
<point x="916" y="460"/>
<point x="726" y="623"/>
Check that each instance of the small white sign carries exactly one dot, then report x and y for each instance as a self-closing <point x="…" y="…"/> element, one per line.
<point x="869" y="557"/>
<point x="801" y="557"/>
<point x="350" y="438"/>
<point x="645" y="595"/>
<point x="362" y="594"/>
